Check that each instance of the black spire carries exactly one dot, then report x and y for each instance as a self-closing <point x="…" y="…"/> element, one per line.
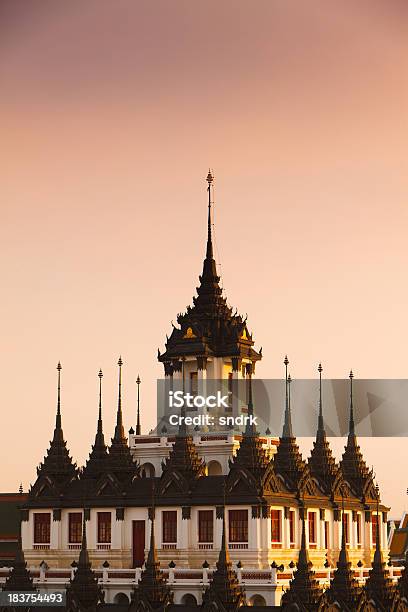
<point x="344" y="588"/>
<point x="57" y="464"/>
<point x="83" y="590"/>
<point x="403" y="580"/>
<point x="321" y="462"/>
<point x="138" y="427"/>
<point x="96" y="463"/>
<point x="152" y="587"/>
<point x="287" y="425"/>
<point x="379" y="585"/>
<point x="288" y="461"/>
<point x="120" y="460"/>
<point x="225" y="587"/>
<point x="19" y="578"/>
<point x="353" y="466"/>
<point x="304" y="589"/>
<point x="209" y="327"/>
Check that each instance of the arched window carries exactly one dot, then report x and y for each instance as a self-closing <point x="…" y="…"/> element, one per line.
<point x="257" y="600"/>
<point x="214" y="468"/>
<point x="121" y="598"/>
<point x="188" y="600"/>
<point x="147" y="470"/>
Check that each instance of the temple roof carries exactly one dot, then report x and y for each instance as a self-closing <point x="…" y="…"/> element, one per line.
<point x="304" y="588"/>
<point x="344" y="588"/>
<point x="83" y="590"/>
<point x="97" y="462"/>
<point x="353" y="466"/>
<point x="209" y="327"/>
<point x="120" y="461"/>
<point x="152" y="586"/>
<point x="19" y="578"/>
<point x="321" y="462"/>
<point x="224" y="587"/>
<point x="379" y="586"/>
<point x="57" y="467"/>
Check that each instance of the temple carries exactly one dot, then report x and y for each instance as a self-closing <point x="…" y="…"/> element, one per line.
<point x="239" y="519"/>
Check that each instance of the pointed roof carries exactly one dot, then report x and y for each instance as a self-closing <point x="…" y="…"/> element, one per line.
<point x="304" y="589"/>
<point x="251" y="457"/>
<point x="184" y="459"/>
<point x="322" y="464"/>
<point x="83" y="590"/>
<point x="152" y="585"/>
<point x="138" y="426"/>
<point x="344" y="587"/>
<point x="19" y="578"/>
<point x="209" y="327"/>
<point x="353" y="466"/>
<point x="57" y="464"/>
<point x="379" y="585"/>
<point x="120" y="460"/>
<point x="288" y="461"/>
<point x="97" y="461"/>
<point x="225" y="586"/>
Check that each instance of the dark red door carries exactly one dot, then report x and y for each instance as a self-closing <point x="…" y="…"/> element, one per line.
<point x="138" y="543"/>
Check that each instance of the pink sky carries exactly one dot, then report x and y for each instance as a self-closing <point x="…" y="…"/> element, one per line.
<point x="111" y="113"/>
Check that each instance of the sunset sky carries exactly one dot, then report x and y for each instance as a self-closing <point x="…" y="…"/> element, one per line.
<point x="111" y="113"/>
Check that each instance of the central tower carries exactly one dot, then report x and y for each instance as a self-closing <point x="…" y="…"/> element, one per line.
<point x="210" y="341"/>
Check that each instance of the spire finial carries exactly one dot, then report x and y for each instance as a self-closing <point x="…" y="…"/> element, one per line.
<point x="100" y="374"/>
<point x="377" y="535"/>
<point x="351" y="423"/>
<point x="119" y="431"/>
<point x="320" y="425"/>
<point x="210" y="253"/>
<point x="250" y="427"/>
<point x="138" y="427"/>
<point x="287" y="425"/>
<point x="58" y="419"/>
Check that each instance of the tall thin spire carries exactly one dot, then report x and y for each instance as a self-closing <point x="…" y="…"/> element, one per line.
<point x="287" y="426"/>
<point x="58" y="417"/>
<point x="250" y="429"/>
<point x="210" y="251"/>
<point x="96" y="463"/>
<point x="138" y="427"/>
<point x="351" y="422"/>
<point x="100" y="374"/>
<point x="119" y="430"/>
<point x="320" y="425"/>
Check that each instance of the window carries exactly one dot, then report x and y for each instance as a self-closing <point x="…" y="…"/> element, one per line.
<point x="275" y="526"/>
<point x="169" y="526"/>
<point x="193" y="383"/>
<point x="238" y="525"/>
<point x="205" y="525"/>
<point x="326" y="535"/>
<point x="75" y="527"/>
<point x="358" y="528"/>
<point x="346" y="527"/>
<point x="312" y="527"/>
<point x="374" y="527"/>
<point x="42" y="527"/>
<point x="104" y="527"/>
<point x="292" y="526"/>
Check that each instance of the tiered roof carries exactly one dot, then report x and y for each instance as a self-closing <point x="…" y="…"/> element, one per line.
<point x="225" y="590"/>
<point x="152" y="590"/>
<point x="322" y="464"/>
<point x="120" y="461"/>
<point x="353" y="466"/>
<point x="19" y="578"/>
<point x="209" y="327"/>
<point x="97" y="462"/>
<point x="57" y="470"/>
<point x="83" y="590"/>
<point x="379" y="586"/>
<point x="304" y="590"/>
